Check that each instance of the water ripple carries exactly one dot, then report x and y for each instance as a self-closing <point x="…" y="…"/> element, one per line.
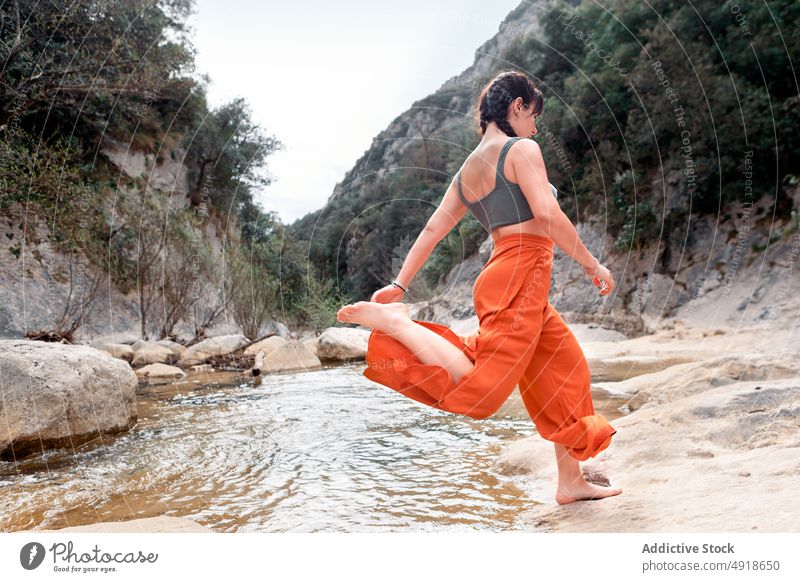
<point x="322" y="450"/>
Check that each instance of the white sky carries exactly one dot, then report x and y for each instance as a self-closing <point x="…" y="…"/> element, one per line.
<point x="325" y="77"/>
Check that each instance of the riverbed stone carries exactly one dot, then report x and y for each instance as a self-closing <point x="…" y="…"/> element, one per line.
<point x="221" y="345"/>
<point x="152" y="371"/>
<point x="148" y="352"/>
<point x="311" y="343"/>
<point x="292" y="355"/>
<point x="59" y="395"/>
<point x="176" y="348"/>
<point x="120" y="351"/>
<point x="343" y="343"/>
<point x="266" y="345"/>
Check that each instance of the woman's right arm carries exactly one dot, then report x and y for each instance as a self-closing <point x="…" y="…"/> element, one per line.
<point x="449" y="212"/>
<point x="531" y="175"/>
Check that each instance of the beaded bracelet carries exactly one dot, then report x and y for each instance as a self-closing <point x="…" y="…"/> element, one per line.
<point x="396" y="284"/>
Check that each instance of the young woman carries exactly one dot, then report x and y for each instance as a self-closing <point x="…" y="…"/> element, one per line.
<point x="521" y="340"/>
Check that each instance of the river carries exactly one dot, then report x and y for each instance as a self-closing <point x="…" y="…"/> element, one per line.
<point x="320" y="450"/>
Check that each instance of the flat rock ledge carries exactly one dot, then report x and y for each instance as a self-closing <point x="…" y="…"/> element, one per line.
<point x="723" y="459"/>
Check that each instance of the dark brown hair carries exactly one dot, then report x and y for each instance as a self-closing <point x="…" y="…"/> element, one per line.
<point x="499" y="93"/>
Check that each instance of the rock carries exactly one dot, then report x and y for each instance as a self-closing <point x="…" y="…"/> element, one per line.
<point x="623" y="367"/>
<point x="176" y="348"/>
<point x="201" y="368"/>
<point x="343" y="343"/>
<point x="702" y="442"/>
<point x="160" y="524"/>
<point x="167" y="173"/>
<point x="145" y="352"/>
<point x="292" y="355"/>
<point x="266" y="345"/>
<point x="120" y="351"/>
<point x="159" y="371"/>
<point x="617" y="361"/>
<point x="444" y="309"/>
<point x="465" y="326"/>
<point x="276" y="327"/>
<point x="486" y="248"/>
<point x="215" y="346"/>
<point x="127" y="338"/>
<point x="283" y="331"/>
<point x="311" y="344"/>
<point x="76" y="391"/>
<point x="689" y="378"/>
<point x="590" y="332"/>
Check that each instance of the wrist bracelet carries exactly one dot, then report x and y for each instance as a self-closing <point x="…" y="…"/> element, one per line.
<point x="396" y="284"/>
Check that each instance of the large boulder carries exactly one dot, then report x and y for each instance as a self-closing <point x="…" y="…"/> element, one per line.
<point x="120" y="351"/>
<point x="176" y="348"/>
<point x="292" y="355"/>
<point x="55" y="395"/>
<point x="311" y="343"/>
<point x="145" y="352"/>
<point x="221" y="345"/>
<point x="266" y="345"/>
<point x="343" y="343"/>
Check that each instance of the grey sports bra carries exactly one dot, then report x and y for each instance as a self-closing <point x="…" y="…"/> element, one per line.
<point x="506" y="203"/>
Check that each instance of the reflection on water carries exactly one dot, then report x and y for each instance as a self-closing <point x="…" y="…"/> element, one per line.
<point x="324" y="450"/>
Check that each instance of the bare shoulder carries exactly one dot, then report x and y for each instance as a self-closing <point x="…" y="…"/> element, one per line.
<point x="525" y="149"/>
<point x="522" y="156"/>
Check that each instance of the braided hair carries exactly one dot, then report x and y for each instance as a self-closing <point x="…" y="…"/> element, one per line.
<point x="498" y="94"/>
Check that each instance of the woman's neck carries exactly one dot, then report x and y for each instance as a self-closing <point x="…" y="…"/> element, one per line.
<point x="493" y="133"/>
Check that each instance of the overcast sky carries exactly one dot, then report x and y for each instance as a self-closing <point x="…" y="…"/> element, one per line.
<point x="325" y="77"/>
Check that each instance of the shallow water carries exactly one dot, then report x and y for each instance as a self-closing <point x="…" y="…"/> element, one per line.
<point x="322" y="450"/>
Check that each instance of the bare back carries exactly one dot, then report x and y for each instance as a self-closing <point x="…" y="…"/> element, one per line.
<point x="478" y="177"/>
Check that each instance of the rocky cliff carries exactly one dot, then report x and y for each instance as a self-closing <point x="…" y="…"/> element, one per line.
<point x="35" y="277"/>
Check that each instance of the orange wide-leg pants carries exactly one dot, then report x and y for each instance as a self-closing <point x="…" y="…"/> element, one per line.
<point x="521" y="340"/>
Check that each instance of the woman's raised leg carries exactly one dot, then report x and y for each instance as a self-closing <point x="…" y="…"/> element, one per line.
<point x="393" y="319"/>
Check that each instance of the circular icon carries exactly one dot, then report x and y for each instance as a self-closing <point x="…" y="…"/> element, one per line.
<point x="31" y="555"/>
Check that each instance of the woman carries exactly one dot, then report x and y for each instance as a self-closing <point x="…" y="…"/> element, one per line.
<point x="521" y="339"/>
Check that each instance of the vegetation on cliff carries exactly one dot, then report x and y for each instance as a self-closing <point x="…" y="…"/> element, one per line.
<point x="655" y="113"/>
<point x="78" y="77"/>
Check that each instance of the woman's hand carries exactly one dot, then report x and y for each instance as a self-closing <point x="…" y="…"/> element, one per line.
<point x="388" y="294"/>
<point x="601" y="277"/>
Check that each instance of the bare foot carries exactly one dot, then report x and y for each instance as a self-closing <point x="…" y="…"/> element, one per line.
<point x="583" y="491"/>
<point x="382" y="316"/>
